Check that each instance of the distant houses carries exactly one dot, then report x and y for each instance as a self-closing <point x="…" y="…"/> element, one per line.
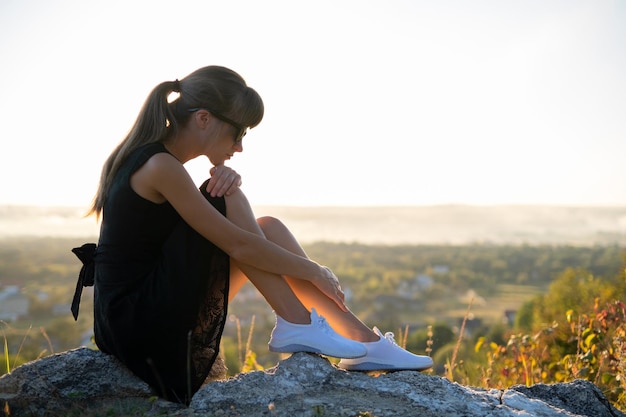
<point x="421" y="282"/>
<point x="13" y="304"/>
<point x="407" y="297"/>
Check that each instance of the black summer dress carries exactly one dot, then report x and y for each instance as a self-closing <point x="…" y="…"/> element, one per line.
<point x="160" y="288"/>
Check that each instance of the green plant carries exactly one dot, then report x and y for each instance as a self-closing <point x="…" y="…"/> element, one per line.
<point x="594" y="343"/>
<point x="7" y="357"/>
<point x="6" y="352"/>
<point x="451" y="363"/>
<point x="24" y="352"/>
<point x="600" y="350"/>
<point x="247" y="357"/>
<point x="429" y="341"/>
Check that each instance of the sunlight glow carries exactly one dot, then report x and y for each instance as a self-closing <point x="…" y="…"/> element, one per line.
<point x="394" y="103"/>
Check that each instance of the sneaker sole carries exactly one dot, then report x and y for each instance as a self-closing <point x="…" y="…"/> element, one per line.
<point x="304" y="348"/>
<point x="373" y="366"/>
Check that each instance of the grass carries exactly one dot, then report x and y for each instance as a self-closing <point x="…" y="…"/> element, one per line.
<point x="7" y="357"/>
<point x="452" y="363"/>
<point x="6" y="352"/>
<point x="25" y="334"/>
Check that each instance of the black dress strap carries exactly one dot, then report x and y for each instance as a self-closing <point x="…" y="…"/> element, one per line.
<point x="86" y="276"/>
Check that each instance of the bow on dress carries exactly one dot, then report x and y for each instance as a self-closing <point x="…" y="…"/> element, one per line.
<point x="86" y="276"/>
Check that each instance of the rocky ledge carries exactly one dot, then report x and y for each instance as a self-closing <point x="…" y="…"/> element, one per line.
<point x="89" y="383"/>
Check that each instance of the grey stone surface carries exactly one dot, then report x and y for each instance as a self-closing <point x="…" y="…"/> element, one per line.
<point x="73" y="379"/>
<point x="87" y="382"/>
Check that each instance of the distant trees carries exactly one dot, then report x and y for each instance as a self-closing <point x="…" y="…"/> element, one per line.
<point x="436" y="337"/>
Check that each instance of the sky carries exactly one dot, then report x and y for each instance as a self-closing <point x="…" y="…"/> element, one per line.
<point x="368" y="103"/>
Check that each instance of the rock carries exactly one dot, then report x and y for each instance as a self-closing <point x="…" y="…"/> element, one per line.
<point x="69" y="380"/>
<point x="85" y="381"/>
<point x="578" y="397"/>
<point x="309" y="385"/>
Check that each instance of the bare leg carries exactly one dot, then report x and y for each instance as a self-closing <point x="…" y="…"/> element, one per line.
<point x="344" y="323"/>
<point x="292" y="298"/>
<point x="274" y="288"/>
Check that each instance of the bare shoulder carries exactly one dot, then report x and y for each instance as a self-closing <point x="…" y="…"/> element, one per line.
<point x="162" y="160"/>
<point x="160" y="171"/>
<point x="163" y="165"/>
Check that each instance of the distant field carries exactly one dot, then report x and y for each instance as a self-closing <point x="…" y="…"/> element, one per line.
<point x="489" y="309"/>
<point x="451" y="224"/>
<point x="509" y="297"/>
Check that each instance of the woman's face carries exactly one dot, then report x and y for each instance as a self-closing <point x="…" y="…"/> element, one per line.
<point x="228" y="141"/>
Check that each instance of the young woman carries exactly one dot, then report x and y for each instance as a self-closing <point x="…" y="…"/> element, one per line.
<point x="170" y="256"/>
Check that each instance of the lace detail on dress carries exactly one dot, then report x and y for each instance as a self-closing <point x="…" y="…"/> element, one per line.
<point x="206" y="336"/>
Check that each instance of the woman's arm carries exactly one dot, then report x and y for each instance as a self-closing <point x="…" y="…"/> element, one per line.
<point x="163" y="177"/>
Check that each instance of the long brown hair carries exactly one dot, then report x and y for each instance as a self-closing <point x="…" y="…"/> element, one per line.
<point x="215" y="88"/>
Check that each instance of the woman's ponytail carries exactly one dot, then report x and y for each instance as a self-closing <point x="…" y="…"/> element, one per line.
<point x="155" y="123"/>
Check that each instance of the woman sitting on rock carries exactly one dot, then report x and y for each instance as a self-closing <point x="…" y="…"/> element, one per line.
<point x="170" y="257"/>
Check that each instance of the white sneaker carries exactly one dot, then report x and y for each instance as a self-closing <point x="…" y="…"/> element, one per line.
<point x="317" y="337"/>
<point x="386" y="355"/>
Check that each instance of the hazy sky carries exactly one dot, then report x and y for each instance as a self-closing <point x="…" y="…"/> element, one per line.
<point x="382" y="102"/>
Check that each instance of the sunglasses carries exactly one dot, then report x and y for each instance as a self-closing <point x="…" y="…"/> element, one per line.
<point x="241" y="129"/>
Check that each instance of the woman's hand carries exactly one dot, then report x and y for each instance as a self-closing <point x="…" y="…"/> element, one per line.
<point x="224" y="181"/>
<point x="329" y="285"/>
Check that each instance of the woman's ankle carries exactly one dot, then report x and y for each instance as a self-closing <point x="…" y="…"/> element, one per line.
<point x="300" y="317"/>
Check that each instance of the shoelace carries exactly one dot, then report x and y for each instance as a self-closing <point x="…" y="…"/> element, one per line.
<point x="323" y="324"/>
<point x="391" y="338"/>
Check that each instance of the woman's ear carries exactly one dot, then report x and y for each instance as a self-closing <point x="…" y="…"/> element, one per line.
<point x="202" y="118"/>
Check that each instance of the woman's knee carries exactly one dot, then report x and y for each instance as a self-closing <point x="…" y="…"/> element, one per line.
<point x="239" y="212"/>
<point x="270" y="224"/>
<point x="237" y="204"/>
